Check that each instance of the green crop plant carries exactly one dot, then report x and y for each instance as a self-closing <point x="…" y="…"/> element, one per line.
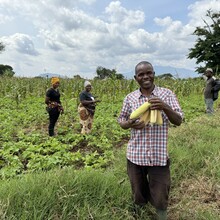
<point x="25" y="145"/>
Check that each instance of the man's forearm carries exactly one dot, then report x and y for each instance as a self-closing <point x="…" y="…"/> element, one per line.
<point x="173" y="116"/>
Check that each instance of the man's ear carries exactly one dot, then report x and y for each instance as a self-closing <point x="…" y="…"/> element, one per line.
<point x="135" y="77"/>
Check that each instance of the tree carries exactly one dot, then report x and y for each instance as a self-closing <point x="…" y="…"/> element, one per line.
<point x="166" y="76"/>
<point x="6" y="70"/>
<point x="207" y="47"/>
<point x="77" y="76"/>
<point x="103" y="73"/>
<point x="9" y="73"/>
<point x="119" y="76"/>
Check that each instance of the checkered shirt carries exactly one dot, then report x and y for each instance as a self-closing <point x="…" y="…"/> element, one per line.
<point x="148" y="146"/>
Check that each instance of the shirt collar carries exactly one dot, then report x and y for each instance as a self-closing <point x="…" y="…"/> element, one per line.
<point x="153" y="93"/>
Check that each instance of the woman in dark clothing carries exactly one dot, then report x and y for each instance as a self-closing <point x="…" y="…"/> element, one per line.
<point x="54" y="107"/>
<point x="86" y="108"/>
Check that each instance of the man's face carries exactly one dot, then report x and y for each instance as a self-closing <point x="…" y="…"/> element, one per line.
<point x="208" y="74"/>
<point x="145" y="76"/>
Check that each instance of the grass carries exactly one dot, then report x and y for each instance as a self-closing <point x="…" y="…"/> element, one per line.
<point x="69" y="194"/>
<point x="66" y="194"/>
<point x="194" y="149"/>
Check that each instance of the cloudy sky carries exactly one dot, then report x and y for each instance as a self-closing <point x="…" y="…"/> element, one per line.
<point x="71" y="37"/>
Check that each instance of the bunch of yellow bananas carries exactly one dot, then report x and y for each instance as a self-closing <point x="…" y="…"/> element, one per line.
<point x="147" y="115"/>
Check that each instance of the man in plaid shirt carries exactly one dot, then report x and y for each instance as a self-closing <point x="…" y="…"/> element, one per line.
<point x="147" y="155"/>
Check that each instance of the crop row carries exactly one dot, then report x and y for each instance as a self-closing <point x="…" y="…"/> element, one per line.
<point x="25" y="145"/>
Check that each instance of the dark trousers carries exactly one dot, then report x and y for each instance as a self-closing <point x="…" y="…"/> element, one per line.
<point x="150" y="184"/>
<point x="53" y="117"/>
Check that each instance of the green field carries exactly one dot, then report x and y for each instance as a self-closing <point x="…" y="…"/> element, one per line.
<point x="71" y="177"/>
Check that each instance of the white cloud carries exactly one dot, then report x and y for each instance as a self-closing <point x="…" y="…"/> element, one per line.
<point x="163" y="21"/>
<point x="71" y="40"/>
<point x="5" y="18"/>
<point x="21" y="43"/>
<point x="126" y="18"/>
<point x="198" y="10"/>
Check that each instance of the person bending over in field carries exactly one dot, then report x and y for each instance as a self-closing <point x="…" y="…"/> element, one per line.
<point x="54" y="107"/>
<point x="147" y="154"/>
<point x="86" y="108"/>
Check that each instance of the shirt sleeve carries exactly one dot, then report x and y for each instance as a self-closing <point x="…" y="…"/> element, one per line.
<point x="82" y="96"/>
<point x="48" y="93"/>
<point x="173" y="102"/>
<point x="125" y="111"/>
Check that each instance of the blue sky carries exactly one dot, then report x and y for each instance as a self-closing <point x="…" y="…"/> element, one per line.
<point x="75" y="37"/>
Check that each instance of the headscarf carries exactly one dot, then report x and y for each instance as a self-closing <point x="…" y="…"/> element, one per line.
<point x="86" y="83"/>
<point x="209" y="70"/>
<point x="54" y="80"/>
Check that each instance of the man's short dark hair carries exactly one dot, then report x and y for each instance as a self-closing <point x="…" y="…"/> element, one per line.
<point x="141" y="63"/>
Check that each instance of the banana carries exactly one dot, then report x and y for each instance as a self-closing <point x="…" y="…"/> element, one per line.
<point x="139" y="111"/>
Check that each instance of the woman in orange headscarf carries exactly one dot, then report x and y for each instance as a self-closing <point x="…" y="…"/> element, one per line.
<point x="54" y="107"/>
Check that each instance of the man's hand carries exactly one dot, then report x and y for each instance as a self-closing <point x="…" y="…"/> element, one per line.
<point x="136" y="123"/>
<point x="173" y="116"/>
<point x="132" y="123"/>
<point x="156" y="103"/>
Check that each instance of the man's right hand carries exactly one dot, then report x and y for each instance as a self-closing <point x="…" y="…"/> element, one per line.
<point x="136" y="123"/>
<point x="132" y="123"/>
